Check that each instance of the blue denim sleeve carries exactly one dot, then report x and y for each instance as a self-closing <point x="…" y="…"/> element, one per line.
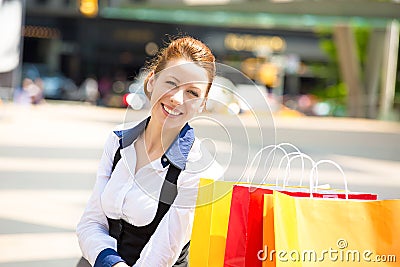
<point x="107" y="258"/>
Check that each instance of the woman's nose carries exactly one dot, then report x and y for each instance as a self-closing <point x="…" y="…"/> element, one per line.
<point x="177" y="96"/>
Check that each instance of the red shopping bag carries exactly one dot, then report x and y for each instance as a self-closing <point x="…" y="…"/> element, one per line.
<point x="245" y="224"/>
<point x="245" y="228"/>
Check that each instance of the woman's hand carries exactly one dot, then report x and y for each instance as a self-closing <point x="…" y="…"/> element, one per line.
<point x="121" y="264"/>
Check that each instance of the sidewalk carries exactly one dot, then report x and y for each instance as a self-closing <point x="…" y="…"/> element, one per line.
<point x="49" y="156"/>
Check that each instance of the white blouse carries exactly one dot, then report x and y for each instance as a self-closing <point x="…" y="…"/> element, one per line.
<point x="133" y="197"/>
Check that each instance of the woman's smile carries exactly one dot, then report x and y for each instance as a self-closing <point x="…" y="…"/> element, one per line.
<point x="170" y="111"/>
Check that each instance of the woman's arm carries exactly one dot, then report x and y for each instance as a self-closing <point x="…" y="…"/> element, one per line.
<point x="92" y="230"/>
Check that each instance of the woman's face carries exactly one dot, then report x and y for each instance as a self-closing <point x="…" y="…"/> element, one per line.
<point x="177" y="93"/>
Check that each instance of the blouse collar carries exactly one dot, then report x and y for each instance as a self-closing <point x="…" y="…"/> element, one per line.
<point x="176" y="154"/>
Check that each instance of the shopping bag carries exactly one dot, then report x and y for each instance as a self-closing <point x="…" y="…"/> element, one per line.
<point x="244" y="237"/>
<point x="210" y="226"/>
<point x="335" y="232"/>
<point x="251" y="210"/>
<point x="268" y="254"/>
<point x="248" y="217"/>
<point x="245" y="228"/>
<point x="265" y="254"/>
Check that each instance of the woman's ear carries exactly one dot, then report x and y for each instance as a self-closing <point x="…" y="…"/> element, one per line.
<point x="149" y="86"/>
<point x="202" y="106"/>
<point x="150" y="82"/>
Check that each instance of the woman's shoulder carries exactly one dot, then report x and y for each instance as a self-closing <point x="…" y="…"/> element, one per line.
<point x="125" y="126"/>
<point x="117" y="131"/>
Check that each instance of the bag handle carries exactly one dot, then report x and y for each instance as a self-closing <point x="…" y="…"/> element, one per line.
<point x="252" y="174"/>
<point x="314" y="169"/>
<point x="287" y="170"/>
<point x="258" y="154"/>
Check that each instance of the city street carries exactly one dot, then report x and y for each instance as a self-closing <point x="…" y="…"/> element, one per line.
<point x="49" y="156"/>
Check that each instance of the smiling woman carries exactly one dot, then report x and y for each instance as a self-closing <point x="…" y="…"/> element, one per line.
<point x="177" y="93"/>
<point x="142" y="207"/>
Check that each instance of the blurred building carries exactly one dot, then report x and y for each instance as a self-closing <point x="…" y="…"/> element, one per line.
<point x="82" y="38"/>
<point x="57" y="34"/>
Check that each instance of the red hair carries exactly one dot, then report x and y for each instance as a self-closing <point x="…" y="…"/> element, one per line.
<point x="186" y="48"/>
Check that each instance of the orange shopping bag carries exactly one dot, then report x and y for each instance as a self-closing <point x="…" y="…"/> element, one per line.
<point x="268" y="253"/>
<point x="335" y="232"/>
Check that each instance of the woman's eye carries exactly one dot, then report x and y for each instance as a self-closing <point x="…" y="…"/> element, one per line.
<point x="194" y="93"/>
<point x="172" y="83"/>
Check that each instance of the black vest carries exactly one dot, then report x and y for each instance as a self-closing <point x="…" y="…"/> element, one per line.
<point x="131" y="239"/>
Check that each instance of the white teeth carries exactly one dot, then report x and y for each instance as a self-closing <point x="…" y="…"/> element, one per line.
<point x="171" y="111"/>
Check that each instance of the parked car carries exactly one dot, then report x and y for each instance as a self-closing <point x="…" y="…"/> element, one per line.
<point x="55" y="84"/>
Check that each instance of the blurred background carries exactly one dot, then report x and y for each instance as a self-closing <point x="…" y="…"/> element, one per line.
<point x="70" y="70"/>
<point x="322" y="58"/>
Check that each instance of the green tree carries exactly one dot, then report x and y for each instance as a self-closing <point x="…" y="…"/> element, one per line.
<point x="334" y="90"/>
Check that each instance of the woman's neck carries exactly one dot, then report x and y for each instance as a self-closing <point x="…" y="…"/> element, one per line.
<point x="157" y="140"/>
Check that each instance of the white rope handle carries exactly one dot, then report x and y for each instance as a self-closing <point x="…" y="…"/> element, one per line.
<point x="286" y="156"/>
<point x="316" y="180"/>
<point x="274" y="147"/>
<point x="287" y="171"/>
<point x="255" y="157"/>
<point x="290" y="145"/>
<point x="280" y="165"/>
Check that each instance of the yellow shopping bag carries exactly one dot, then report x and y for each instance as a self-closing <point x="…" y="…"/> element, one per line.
<point x="210" y="226"/>
<point x="336" y="232"/>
